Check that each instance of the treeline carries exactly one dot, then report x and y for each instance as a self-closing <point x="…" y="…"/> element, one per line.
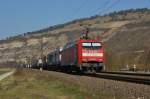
<point x="124" y="12"/>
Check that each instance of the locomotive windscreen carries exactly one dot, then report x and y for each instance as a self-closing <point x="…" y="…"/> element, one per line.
<point x="91" y="46"/>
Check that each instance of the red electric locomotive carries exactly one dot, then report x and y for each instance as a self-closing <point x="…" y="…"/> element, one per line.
<point x="80" y="55"/>
<point x="84" y="55"/>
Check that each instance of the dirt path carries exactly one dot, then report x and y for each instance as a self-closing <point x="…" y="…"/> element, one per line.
<point x="6" y="75"/>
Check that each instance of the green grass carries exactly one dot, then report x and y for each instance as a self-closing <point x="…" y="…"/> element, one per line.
<point x="4" y="70"/>
<point x="37" y="85"/>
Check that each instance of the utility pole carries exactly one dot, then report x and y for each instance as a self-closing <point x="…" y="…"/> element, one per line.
<point x="147" y="58"/>
<point x="15" y="59"/>
<point x="41" y="47"/>
<point x="24" y="62"/>
<point x="40" y="61"/>
<point x="86" y="33"/>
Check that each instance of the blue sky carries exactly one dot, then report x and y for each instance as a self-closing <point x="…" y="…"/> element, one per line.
<point x="20" y="16"/>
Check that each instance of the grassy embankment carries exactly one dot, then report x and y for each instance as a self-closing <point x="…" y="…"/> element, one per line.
<point x="28" y="84"/>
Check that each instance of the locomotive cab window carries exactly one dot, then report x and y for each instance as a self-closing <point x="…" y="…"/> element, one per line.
<point x="91" y="46"/>
<point x="96" y="45"/>
<point x="86" y="45"/>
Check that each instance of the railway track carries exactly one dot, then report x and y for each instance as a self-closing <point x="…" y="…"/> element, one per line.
<point x="129" y="73"/>
<point x="140" y="78"/>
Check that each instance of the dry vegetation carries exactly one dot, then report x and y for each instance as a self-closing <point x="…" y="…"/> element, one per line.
<point x="130" y="46"/>
<point x="28" y="84"/>
<point x="33" y="84"/>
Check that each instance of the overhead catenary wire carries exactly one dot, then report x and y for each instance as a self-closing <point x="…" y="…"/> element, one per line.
<point x="80" y="7"/>
<point x="148" y="4"/>
<point x="101" y="7"/>
<point x="107" y="6"/>
<point x="110" y="6"/>
<point x="76" y="11"/>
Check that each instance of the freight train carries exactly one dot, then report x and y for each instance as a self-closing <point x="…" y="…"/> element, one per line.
<point x="83" y="55"/>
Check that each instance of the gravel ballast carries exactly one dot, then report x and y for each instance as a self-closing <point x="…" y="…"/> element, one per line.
<point x="116" y="88"/>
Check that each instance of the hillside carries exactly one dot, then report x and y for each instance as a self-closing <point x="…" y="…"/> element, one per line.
<point x="125" y="35"/>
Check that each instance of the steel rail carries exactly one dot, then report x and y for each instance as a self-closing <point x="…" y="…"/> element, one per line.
<point x="127" y="73"/>
<point x="121" y="77"/>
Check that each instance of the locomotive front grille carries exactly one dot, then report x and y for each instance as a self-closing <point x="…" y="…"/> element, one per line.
<point x="91" y="64"/>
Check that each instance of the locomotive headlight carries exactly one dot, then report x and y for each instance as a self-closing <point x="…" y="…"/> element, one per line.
<point x="101" y="54"/>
